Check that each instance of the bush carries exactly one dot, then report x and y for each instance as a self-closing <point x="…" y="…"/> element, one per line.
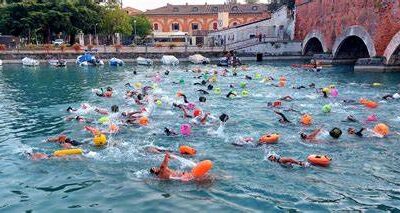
<point x="77" y="47"/>
<point x="3" y="47"/>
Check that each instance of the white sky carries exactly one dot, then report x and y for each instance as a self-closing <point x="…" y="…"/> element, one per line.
<point x="151" y="4"/>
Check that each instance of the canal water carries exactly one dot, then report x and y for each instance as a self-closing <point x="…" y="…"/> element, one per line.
<point x="364" y="173"/>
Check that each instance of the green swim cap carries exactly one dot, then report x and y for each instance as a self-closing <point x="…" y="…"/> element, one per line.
<point x="245" y="93"/>
<point x="327" y="108"/>
<point x="217" y="90"/>
<point x="258" y="76"/>
<point x="242" y="84"/>
<point x="104" y="119"/>
<point x="158" y="102"/>
<point x="182" y="81"/>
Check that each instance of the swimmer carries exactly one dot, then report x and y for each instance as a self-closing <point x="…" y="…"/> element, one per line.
<point x="169" y="132"/>
<point x="283" y="118"/>
<point x="101" y="111"/>
<point x="325" y="94"/>
<point x="352" y="131"/>
<point x="64" y="141"/>
<point x="387" y="97"/>
<point x="210" y="87"/>
<point x="248" y="77"/>
<point x="350" y="118"/>
<point x="114" y="108"/>
<point x="156" y="150"/>
<point x="312" y="136"/>
<point x="203" y="92"/>
<point x="165" y="173"/>
<point x="79" y="119"/>
<point x="37" y="156"/>
<point x="286" y="98"/>
<point x="108" y="93"/>
<point x="70" y="109"/>
<point x="203" y="83"/>
<point x="299" y="87"/>
<point x="166" y="72"/>
<point x="231" y="94"/>
<point x="243" y="141"/>
<point x="284" y="160"/>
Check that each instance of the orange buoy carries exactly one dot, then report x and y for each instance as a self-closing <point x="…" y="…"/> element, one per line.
<point x="202" y="168"/>
<point x="363" y="101"/>
<point x="306" y="119"/>
<point x="196" y="112"/>
<point x="269" y="138"/>
<point x="282" y="78"/>
<point x="282" y="83"/>
<point x="319" y="160"/>
<point x="143" y="121"/>
<point x="381" y="129"/>
<point x="187" y="150"/>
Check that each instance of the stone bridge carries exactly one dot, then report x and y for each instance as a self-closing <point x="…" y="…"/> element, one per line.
<point x="350" y="29"/>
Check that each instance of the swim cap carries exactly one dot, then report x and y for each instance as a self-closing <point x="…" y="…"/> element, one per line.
<point x="158" y="102"/>
<point x="202" y="99"/>
<point x="186" y="129"/>
<point x="138" y="85"/>
<point x="114" y="108"/>
<point x="326" y="90"/>
<point x="335" y="133"/>
<point x="242" y="84"/>
<point x="182" y="81"/>
<point x="143" y="121"/>
<point x="104" y="120"/>
<point x="100" y="140"/>
<point x="334" y="92"/>
<point x="306" y="119"/>
<point x="191" y="106"/>
<point x="245" y="93"/>
<point x="197" y="112"/>
<point x="376" y="84"/>
<point x="327" y="108"/>
<point x="224" y="117"/>
<point x="217" y="90"/>
<point x="210" y="87"/>
<point x="381" y="129"/>
<point x="257" y="76"/>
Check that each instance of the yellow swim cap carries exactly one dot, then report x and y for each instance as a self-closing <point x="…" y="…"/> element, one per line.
<point x="100" y="140"/>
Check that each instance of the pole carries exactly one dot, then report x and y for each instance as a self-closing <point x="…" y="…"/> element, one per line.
<point x="134" y="23"/>
<point x="95" y="34"/>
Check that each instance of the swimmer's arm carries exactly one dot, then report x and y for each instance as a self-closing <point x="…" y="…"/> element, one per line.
<point x="291" y="161"/>
<point x="164" y="164"/>
<point x="314" y="134"/>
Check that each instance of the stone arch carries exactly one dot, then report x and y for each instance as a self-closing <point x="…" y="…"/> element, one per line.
<point x="311" y="36"/>
<point x="235" y="20"/>
<point x="197" y="21"/>
<point x="355" y="32"/>
<point x="179" y="21"/>
<point x="393" y="49"/>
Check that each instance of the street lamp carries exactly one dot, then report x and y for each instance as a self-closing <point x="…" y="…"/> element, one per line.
<point x="134" y="24"/>
<point x="95" y="34"/>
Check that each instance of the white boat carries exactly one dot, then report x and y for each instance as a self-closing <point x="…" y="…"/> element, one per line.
<point x="29" y="62"/>
<point x="1" y="62"/>
<point x="199" y="59"/>
<point x="144" y="61"/>
<point x="88" y="60"/>
<point x="57" y="63"/>
<point x="169" y="60"/>
<point x="115" y="62"/>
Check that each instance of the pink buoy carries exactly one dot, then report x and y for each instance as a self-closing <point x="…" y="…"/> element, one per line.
<point x="186" y="129"/>
<point x="334" y="92"/>
<point x="372" y="118"/>
<point x="191" y="106"/>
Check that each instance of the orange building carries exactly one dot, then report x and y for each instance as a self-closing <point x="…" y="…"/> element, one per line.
<point x="190" y="18"/>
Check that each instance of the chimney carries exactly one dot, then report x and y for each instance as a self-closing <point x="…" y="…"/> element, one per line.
<point x="187" y="4"/>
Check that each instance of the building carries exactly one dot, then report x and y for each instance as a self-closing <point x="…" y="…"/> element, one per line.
<point x="132" y="11"/>
<point x="105" y="2"/>
<point x="189" y="18"/>
<point x="279" y="26"/>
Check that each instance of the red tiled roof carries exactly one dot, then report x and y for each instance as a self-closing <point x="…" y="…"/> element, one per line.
<point x="170" y="9"/>
<point x="132" y="10"/>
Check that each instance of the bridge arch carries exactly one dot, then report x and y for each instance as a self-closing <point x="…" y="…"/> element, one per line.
<point x="355" y="42"/>
<point x="313" y="43"/>
<point x="392" y="52"/>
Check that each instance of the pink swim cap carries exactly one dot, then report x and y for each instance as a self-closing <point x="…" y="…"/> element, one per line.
<point x="186" y="129"/>
<point x="191" y="106"/>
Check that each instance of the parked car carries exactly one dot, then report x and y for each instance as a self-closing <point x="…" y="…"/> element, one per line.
<point x="58" y="42"/>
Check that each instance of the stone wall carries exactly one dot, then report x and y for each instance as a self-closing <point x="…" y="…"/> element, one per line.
<point x="331" y="18"/>
<point x="273" y="49"/>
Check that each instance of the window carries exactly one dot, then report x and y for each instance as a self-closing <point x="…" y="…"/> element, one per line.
<point x="215" y="26"/>
<point x="155" y="27"/>
<point x="195" y="9"/>
<point x="254" y="8"/>
<point x="215" y="9"/>
<point x="234" y="24"/>
<point x="176" y="9"/>
<point x="195" y="26"/>
<point x="175" y="27"/>
<point x="235" y="8"/>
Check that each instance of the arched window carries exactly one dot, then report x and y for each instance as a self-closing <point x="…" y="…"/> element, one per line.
<point x="234" y="24"/>
<point x="215" y="9"/>
<point x="175" y="27"/>
<point x="176" y="9"/>
<point x="195" y="26"/>
<point x="254" y="8"/>
<point x="195" y="9"/>
<point x="215" y="26"/>
<point x="235" y="9"/>
<point x="155" y="27"/>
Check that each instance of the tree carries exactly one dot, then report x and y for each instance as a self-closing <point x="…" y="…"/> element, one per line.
<point x="251" y="1"/>
<point x="231" y="2"/>
<point x="143" y="25"/>
<point x="115" y="20"/>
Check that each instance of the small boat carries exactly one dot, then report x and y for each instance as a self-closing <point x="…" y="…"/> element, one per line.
<point x="30" y="62"/>
<point x="116" y="62"/>
<point x="88" y="60"/>
<point x="144" y="61"/>
<point x="58" y="63"/>
<point x="169" y="60"/>
<point x="199" y="59"/>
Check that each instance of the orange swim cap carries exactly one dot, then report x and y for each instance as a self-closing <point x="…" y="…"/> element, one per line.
<point x="382" y="129"/>
<point x="143" y="121"/>
<point x="306" y="119"/>
<point x="197" y="112"/>
<point x="187" y="150"/>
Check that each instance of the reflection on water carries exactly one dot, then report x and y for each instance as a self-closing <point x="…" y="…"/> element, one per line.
<point x="364" y="174"/>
